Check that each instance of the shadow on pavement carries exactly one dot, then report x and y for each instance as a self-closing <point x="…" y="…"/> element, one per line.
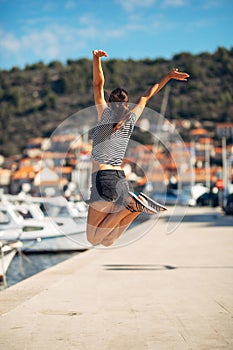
<point x="145" y="267"/>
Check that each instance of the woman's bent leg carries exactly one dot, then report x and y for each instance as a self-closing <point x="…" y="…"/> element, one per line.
<point x="96" y="214"/>
<point x="104" y="219"/>
<point x="107" y="221"/>
<point x="119" y="229"/>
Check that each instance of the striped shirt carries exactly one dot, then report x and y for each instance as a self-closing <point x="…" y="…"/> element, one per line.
<point x="109" y="147"/>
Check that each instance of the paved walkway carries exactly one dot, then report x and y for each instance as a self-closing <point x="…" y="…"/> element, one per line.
<point x="162" y="292"/>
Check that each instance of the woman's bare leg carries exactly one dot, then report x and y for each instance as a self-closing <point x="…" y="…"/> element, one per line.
<point x="120" y="229"/>
<point x="106" y="222"/>
<point x="97" y="213"/>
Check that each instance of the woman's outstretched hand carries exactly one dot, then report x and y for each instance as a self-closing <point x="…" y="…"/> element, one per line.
<point x="99" y="53"/>
<point x="175" y="74"/>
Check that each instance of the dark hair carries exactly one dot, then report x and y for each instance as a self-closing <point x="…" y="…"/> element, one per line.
<point x="119" y="99"/>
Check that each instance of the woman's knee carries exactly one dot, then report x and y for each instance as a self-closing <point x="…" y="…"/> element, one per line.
<point x="107" y="243"/>
<point x="92" y="237"/>
<point x="94" y="240"/>
<point x="95" y="235"/>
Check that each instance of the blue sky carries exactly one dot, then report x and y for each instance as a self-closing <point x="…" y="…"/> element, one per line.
<point x="35" y="30"/>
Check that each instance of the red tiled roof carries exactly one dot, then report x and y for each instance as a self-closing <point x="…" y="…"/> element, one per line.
<point x="26" y="172"/>
<point x="198" y="131"/>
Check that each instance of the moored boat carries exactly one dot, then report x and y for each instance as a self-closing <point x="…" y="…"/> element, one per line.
<point x="42" y="224"/>
<point x="7" y="252"/>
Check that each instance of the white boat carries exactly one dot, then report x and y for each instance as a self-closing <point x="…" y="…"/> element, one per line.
<point x="42" y="224"/>
<point x="7" y="252"/>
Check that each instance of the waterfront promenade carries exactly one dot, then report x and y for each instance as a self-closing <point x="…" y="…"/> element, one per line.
<point x="162" y="292"/>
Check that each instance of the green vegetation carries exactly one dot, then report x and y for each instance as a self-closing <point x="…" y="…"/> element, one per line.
<point x="35" y="100"/>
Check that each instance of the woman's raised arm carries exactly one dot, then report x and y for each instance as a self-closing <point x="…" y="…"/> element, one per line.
<point x="98" y="81"/>
<point x="173" y="74"/>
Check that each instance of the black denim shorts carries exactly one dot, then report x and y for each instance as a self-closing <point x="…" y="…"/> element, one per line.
<point x="109" y="185"/>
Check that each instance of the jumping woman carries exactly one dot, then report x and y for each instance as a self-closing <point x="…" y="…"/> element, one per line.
<point x="112" y="206"/>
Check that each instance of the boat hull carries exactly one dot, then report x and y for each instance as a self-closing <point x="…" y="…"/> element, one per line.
<point x="72" y="242"/>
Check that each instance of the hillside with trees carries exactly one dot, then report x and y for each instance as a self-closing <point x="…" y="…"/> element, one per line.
<point x="34" y="100"/>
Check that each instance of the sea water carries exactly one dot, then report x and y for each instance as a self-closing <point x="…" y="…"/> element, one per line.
<point x="26" y="265"/>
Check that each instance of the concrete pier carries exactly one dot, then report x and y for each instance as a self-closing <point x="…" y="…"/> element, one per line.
<point x="162" y="292"/>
